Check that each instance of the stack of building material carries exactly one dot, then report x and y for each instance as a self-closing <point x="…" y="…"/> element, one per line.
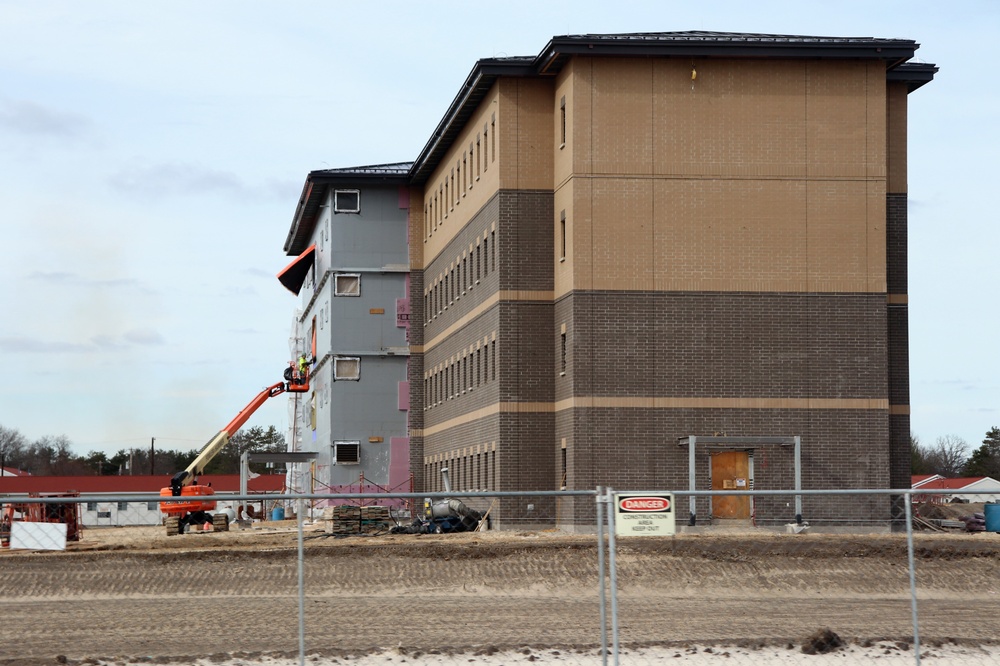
<point x="975" y="522"/>
<point x="346" y="519"/>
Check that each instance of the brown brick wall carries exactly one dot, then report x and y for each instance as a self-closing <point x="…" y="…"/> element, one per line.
<point x="899" y="356"/>
<point x="638" y="448"/>
<point x="896" y="243"/>
<point x="724" y="345"/>
<point x="899" y="451"/>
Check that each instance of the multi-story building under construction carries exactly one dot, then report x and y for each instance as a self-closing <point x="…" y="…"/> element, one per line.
<point x="648" y="261"/>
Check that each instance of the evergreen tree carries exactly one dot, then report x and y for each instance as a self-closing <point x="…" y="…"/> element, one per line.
<point x="985" y="461"/>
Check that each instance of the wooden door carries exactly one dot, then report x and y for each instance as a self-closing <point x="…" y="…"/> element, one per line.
<point x="731" y="471"/>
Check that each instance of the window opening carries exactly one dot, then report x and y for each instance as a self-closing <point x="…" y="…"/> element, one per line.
<point x="347" y="368"/>
<point x="347" y="284"/>
<point x="562" y="343"/>
<point x="562" y="235"/>
<point x="346" y="453"/>
<point x="562" y="122"/>
<point x="346" y="201"/>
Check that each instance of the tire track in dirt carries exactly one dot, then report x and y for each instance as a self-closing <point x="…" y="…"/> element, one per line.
<point x="241" y="595"/>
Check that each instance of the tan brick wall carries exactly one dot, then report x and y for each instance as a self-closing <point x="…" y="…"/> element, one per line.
<point x="563" y="159"/>
<point x="471" y="199"/>
<point x="756" y="176"/>
<point x="896" y="121"/>
<point x="525" y="142"/>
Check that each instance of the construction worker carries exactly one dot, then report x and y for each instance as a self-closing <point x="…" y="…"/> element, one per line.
<point x="303" y="366"/>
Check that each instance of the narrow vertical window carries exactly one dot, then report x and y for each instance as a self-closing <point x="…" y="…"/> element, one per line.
<point x="562" y="236"/>
<point x="493" y="252"/>
<point x="485" y="368"/>
<point x="493" y="138"/>
<point x="486" y="147"/>
<point x="562" y="352"/>
<point x="479" y="263"/>
<point x="493" y="359"/>
<point x="562" y="122"/>
<point x="478" y="158"/>
<point x="562" y="485"/>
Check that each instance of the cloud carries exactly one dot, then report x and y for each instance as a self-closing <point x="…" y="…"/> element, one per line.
<point x="136" y="337"/>
<point x="143" y="336"/>
<point x="181" y="179"/>
<point x="259" y="272"/>
<point x="26" y="117"/>
<point x="33" y="346"/>
<point x="62" y="278"/>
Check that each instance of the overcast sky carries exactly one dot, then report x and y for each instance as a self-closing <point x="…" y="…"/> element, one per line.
<point x="151" y="156"/>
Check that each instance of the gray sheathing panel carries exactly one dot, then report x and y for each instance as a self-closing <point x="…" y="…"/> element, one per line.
<point x="364" y="323"/>
<point x="372" y="239"/>
<point x="365" y="409"/>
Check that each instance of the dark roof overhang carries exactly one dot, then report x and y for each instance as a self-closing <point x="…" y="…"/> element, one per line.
<point x="319" y="183"/>
<point x="722" y="45"/>
<point x="913" y="74"/>
<point x="693" y="44"/>
<point x="476" y="86"/>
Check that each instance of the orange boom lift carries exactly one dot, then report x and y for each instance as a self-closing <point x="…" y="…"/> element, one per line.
<point x="196" y="505"/>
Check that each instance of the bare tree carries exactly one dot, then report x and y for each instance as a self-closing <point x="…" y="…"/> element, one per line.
<point x="12" y="445"/>
<point x="947" y="457"/>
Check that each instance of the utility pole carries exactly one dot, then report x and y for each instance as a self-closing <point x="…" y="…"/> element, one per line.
<point x="152" y="453"/>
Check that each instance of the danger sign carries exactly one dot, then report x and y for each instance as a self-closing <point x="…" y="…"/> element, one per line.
<point x="644" y="515"/>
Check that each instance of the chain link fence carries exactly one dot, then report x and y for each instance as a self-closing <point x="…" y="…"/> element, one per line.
<point x="578" y="577"/>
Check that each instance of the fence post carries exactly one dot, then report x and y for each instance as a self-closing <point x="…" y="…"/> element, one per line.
<point x="907" y="498"/>
<point x="613" y="568"/>
<point x="599" y="498"/>
<point x="302" y="587"/>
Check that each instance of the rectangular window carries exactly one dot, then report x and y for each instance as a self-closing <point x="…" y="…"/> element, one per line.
<point x="485" y="356"/>
<point x="562" y="122"/>
<point x="562" y="235"/>
<point x="122" y="506"/>
<point x="152" y="506"/>
<point x="346" y="453"/>
<point x="346" y="368"/>
<point x="493" y="138"/>
<point x="486" y="147"/>
<point x="562" y="352"/>
<point x="478" y="158"/>
<point x="347" y="284"/>
<point x="346" y="201"/>
<point x="91" y="506"/>
<point x="562" y="486"/>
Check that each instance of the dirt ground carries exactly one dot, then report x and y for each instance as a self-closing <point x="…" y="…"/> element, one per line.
<point x="134" y="593"/>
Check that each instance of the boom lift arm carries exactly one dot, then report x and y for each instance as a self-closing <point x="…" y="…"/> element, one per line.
<point x="217" y="443"/>
<point x="194" y="504"/>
